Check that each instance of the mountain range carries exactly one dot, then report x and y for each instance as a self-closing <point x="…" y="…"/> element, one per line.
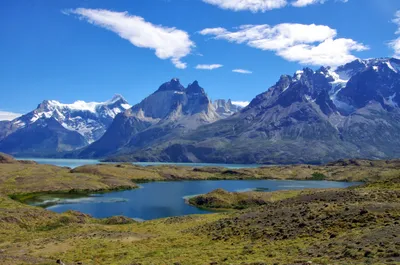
<point x="312" y="116"/>
<point x="168" y="114"/>
<point x="54" y="127"/>
<point x="57" y="129"/>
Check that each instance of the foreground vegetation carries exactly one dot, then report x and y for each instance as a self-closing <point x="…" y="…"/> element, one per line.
<point x="359" y="225"/>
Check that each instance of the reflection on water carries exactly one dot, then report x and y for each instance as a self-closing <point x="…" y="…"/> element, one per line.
<point x="166" y="199"/>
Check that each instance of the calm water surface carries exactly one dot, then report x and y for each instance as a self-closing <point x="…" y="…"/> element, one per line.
<point x="72" y="163"/>
<point x="166" y="199"/>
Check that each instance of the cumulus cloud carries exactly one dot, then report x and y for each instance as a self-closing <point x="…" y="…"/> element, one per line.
<point x="208" y="66"/>
<point x="332" y="52"/>
<point x="168" y="43"/>
<point x="307" y="44"/>
<point x="395" y="44"/>
<point x="8" y="116"/>
<point x="242" y="71"/>
<point x="241" y="103"/>
<point x="261" y="5"/>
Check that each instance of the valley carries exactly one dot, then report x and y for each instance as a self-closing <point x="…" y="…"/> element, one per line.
<point x="200" y="132"/>
<point x="344" y="226"/>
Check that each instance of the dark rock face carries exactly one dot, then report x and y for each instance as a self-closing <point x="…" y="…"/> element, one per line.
<point x="310" y="117"/>
<point x="54" y="127"/>
<point x="378" y="83"/>
<point x="173" y="85"/>
<point x="118" y="135"/>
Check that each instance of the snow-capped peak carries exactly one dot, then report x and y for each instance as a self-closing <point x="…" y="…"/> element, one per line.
<point x="81" y="105"/>
<point x="298" y="74"/>
<point x="90" y="119"/>
<point x="115" y="98"/>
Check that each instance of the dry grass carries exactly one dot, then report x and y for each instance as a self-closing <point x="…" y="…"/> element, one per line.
<point x="352" y="226"/>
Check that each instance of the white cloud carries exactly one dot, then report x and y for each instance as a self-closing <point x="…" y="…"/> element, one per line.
<point x="396" y="20"/>
<point x="8" y="116"/>
<point x="251" y="5"/>
<point x="168" y="43"/>
<point x="302" y="3"/>
<point x="208" y="66"/>
<point x="395" y="44"/>
<point x="262" y="5"/>
<point x="306" y="44"/>
<point x="241" y="103"/>
<point x="242" y="71"/>
<point x="331" y="52"/>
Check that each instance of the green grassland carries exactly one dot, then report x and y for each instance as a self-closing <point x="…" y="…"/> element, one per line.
<point x="358" y="225"/>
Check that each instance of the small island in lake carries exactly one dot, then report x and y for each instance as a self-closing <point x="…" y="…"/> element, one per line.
<point x="343" y="226"/>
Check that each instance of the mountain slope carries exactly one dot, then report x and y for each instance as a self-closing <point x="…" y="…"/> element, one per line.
<point x="46" y="136"/>
<point x="168" y="113"/>
<point x="310" y="117"/>
<point x="55" y="127"/>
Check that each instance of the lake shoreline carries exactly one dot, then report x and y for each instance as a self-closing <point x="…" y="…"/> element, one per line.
<point x="81" y="162"/>
<point x="160" y="194"/>
<point x="319" y="226"/>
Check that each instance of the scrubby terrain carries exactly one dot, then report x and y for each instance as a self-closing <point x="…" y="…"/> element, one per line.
<point x="222" y="199"/>
<point x="359" y="225"/>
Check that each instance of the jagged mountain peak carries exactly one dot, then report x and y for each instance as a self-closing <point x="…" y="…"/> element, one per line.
<point x="339" y="91"/>
<point x="172" y="85"/>
<point x="170" y="111"/>
<point x="80" y="105"/>
<point x="313" y="115"/>
<point x="225" y="108"/>
<point x="352" y="68"/>
<point x="170" y="96"/>
<point x="346" y="71"/>
<point x="56" y="127"/>
<point x="195" y="88"/>
<point x="90" y="119"/>
<point x="116" y="98"/>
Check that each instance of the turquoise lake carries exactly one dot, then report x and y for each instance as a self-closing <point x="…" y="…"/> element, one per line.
<point x="166" y="199"/>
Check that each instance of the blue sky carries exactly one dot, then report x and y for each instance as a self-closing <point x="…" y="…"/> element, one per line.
<point x="89" y="50"/>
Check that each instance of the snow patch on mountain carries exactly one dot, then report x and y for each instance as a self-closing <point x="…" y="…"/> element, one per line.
<point x="90" y="119"/>
<point x="298" y="74"/>
<point x="285" y="88"/>
<point x="337" y="85"/>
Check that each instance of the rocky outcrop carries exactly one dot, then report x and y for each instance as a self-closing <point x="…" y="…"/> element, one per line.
<point x="225" y="108"/>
